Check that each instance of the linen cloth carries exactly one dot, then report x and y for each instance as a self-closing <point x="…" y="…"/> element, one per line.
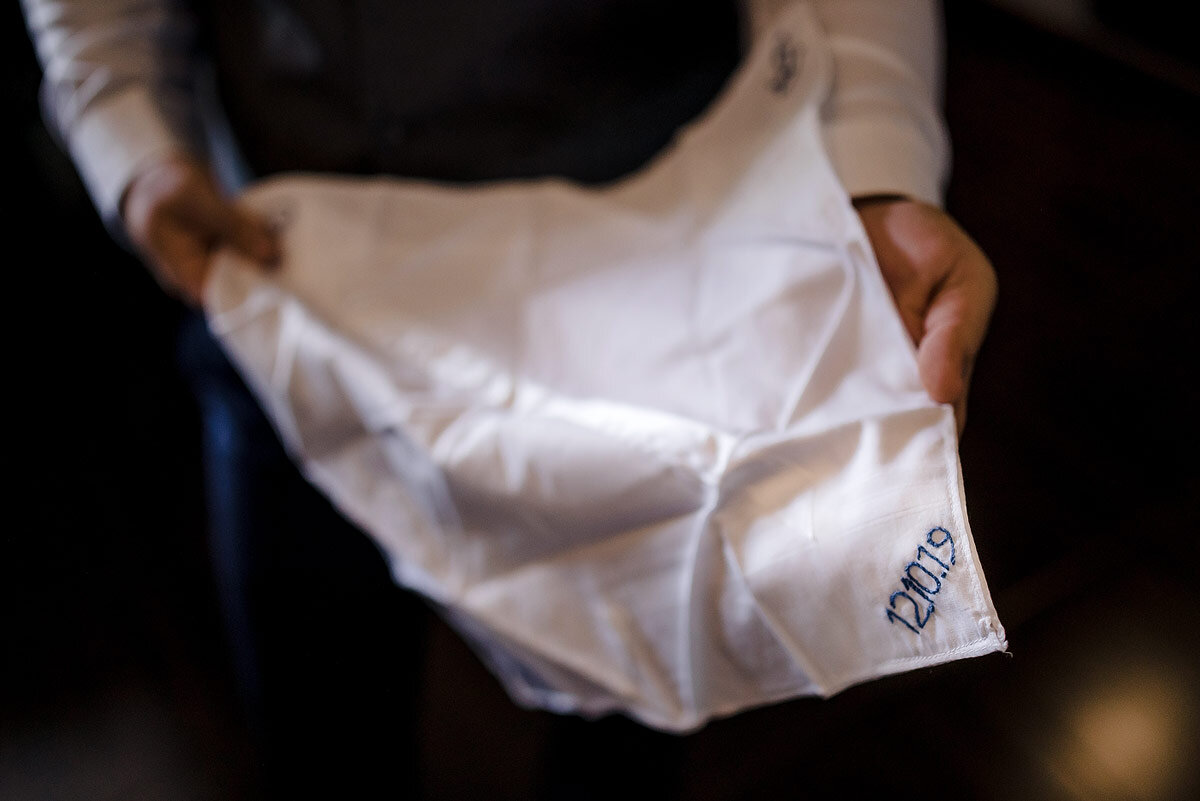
<point x="658" y="447"/>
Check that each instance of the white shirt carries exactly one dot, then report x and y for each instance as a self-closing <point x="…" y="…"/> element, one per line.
<point x="119" y="87"/>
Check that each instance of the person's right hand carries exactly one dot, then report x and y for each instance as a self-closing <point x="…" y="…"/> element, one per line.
<point x="177" y="217"/>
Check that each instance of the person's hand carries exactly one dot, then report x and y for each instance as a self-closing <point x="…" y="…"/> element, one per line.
<point x="177" y="217"/>
<point x="943" y="285"/>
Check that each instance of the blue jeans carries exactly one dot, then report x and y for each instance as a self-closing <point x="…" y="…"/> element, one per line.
<point x="327" y="649"/>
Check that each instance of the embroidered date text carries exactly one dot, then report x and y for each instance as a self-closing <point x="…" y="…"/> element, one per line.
<point x="922" y="577"/>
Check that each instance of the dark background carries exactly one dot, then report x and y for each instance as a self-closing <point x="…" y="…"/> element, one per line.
<point x="1077" y="168"/>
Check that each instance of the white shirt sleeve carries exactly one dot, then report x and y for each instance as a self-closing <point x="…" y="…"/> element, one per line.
<point x="882" y="122"/>
<point x="117" y="85"/>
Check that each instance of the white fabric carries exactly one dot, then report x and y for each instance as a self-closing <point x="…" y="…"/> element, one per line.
<point x="659" y="447"/>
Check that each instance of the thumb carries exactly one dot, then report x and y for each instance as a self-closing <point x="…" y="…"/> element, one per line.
<point x="955" y="326"/>
<point x="235" y="226"/>
<point x="252" y="236"/>
<point x="944" y="353"/>
<point x="945" y="365"/>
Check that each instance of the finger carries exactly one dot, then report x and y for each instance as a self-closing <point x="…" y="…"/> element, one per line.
<point x="911" y="302"/>
<point x="955" y="326"/>
<point x="960" y="409"/>
<point x="181" y="262"/>
<point x="942" y="359"/>
<point x="253" y="237"/>
<point x="192" y="274"/>
<point x="232" y="225"/>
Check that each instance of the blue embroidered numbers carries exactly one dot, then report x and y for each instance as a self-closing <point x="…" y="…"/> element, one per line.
<point x="924" y="578"/>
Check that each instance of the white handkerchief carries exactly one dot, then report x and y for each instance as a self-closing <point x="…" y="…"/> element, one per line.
<point x="659" y="447"/>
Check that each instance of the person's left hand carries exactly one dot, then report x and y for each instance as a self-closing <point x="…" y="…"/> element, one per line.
<point x="943" y="285"/>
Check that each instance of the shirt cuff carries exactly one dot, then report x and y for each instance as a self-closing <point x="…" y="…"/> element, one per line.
<point x="116" y="139"/>
<point x="875" y="157"/>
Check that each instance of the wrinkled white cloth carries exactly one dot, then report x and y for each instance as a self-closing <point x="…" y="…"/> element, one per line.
<point x="659" y="447"/>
